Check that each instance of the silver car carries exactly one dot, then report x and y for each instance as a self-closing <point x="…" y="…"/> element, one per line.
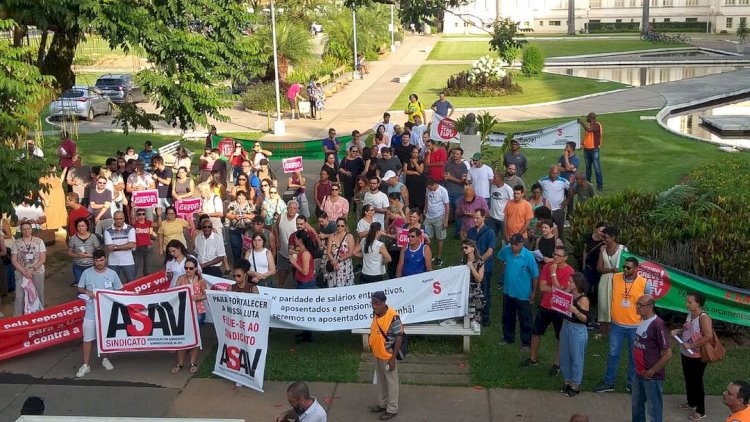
<point x="80" y="101"/>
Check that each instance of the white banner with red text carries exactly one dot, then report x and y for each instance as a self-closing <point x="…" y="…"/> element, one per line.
<point x="443" y="129"/>
<point x="58" y="324"/>
<point x="435" y="295"/>
<point x="129" y="322"/>
<point x="553" y="137"/>
<point x="241" y="321"/>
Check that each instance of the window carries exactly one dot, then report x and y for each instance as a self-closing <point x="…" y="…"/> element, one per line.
<point x="618" y="20"/>
<point x="595" y="4"/>
<point x="743" y="21"/>
<point x="743" y="2"/>
<point x="654" y="3"/>
<point x="667" y="19"/>
<point x="691" y="3"/>
<point x="668" y="3"/>
<point x="554" y="23"/>
<point x="691" y="19"/>
<point x="541" y="23"/>
<point x="730" y="22"/>
<point x="730" y="2"/>
<point x="619" y="3"/>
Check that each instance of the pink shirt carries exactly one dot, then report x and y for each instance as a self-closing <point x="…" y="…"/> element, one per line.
<point x="293" y="91"/>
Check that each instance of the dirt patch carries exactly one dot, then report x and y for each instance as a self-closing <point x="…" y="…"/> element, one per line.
<point x="117" y="61"/>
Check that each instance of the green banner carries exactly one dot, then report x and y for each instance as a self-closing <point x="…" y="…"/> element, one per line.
<point x="670" y="286"/>
<point x="308" y="150"/>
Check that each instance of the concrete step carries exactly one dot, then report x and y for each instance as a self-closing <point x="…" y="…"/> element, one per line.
<point x="423" y="369"/>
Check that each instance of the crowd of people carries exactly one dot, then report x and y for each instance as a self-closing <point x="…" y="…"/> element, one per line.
<point x="403" y="191"/>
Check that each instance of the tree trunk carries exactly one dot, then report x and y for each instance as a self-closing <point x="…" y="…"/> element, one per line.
<point x="42" y="53"/>
<point x="644" y="19"/>
<point x="571" y="17"/>
<point x="60" y="57"/>
<point x="283" y="69"/>
<point x="18" y="33"/>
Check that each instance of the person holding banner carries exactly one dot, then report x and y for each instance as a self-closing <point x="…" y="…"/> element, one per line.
<point x="592" y="141"/>
<point x="197" y="284"/>
<point x="374" y="255"/>
<point x="183" y="187"/>
<point x="386" y="335"/>
<point x="96" y="278"/>
<point x="574" y="336"/>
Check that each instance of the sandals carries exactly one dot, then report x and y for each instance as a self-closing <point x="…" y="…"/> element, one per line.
<point x="193" y="368"/>
<point x="696" y="416"/>
<point x="176" y="369"/>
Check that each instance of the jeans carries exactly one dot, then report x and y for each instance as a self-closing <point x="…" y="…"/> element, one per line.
<point x="693" y="369"/>
<point x="498" y="226"/>
<point x="647" y="400"/>
<point x="619" y="334"/>
<point x="235" y="244"/>
<point x="573" y="339"/>
<point x="128" y="271"/>
<point x="558" y="216"/>
<point x="591" y="156"/>
<point x="77" y="271"/>
<point x="236" y="170"/>
<point x="10" y="275"/>
<point x="511" y="307"/>
<point x="141" y="255"/>
<point x="453" y="199"/>
<point x="487" y="292"/>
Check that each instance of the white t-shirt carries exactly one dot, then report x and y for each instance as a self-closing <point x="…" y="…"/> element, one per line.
<point x="372" y="261"/>
<point x="363" y="225"/>
<point x="93" y="280"/>
<point x="209" y="249"/>
<point x="436" y="202"/>
<point x="112" y="236"/>
<point x="315" y="413"/>
<point x="258" y="260"/>
<point x="287" y="226"/>
<point x="212" y="205"/>
<point x="377" y="200"/>
<point x="554" y="191"/>
<point x="416" y="138"/>
<point x="177" y="268"/>
<point x="480" y="178"/>
<point x="499" y="196"/>
<point x="388" y="128"/>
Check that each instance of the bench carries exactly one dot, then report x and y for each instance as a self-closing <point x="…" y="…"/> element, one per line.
<point x="404" y="78"/>
<point x="338" y="71"/>
<point x="431" y="329"/>
<point x="168" y="152"/>
<point x="323" y="80"/>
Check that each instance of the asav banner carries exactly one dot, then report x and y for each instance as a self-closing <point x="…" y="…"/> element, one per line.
<point x="670" y="286"/>
<point x="129" y="322"/>
<point x="241" y="321"/>
<point x="553" y="137"/>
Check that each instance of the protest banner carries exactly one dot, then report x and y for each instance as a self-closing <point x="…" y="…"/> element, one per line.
<point x="553" y="137"/>
<point x="145" y="198"/>
<point x="241" y="321"/>
<point x="58" y="324"/>
<point x="185" y="208"/>
<point x="402" y="237"/>
<point x="561" y="301"/>
<point x="430" y="296"/>
<point x="129" y="322"/>
<point x="290" y="165"/>
<point x="308" y="150"/>
<point x="443" y="129"/>
<point x="670" y="286"/>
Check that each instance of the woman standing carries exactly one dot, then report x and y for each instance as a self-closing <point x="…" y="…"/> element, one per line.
<point x="81" y="247"/>
<point x="574" y="336"/>
<point x="218" y="185"/>
<point x="340" y="246"/>
<point x="547" y="242"/>
<point x="240" y="214"/>
<point x="54" y="200"/>
<point x="273" y="206"/>
<point x="172" y="228"/>
<point x="360" y="189"/>
<point x="183" y="187"/>
<point x="591" y="252"/>
<point x="182" y="159"/>
<point x="384" y="138"/>
<point x="243" y="184"/>
<point x="242" y="282"/>
<point x="415" y="108"/>
<point x="197" y="284"/>
<point x="335" y="205"/>
<point x="176" y="256"/>
<point x="296" y="183"/>
<point x="697" y="331"/>
<point x="259" y="154"/>
<point x="473" y="260"/>
<point x="364" y="223"/>
<point x="130" y="154"/>
<point x="608" y="265"/>
<point x="205" y="164"/>
<point x="265" y="186"/>
<point x="266" y="173"/>
<point x="415" y="180"/>
<point x="331" y="167"/>
<point x="302" y="263"/>
<point x="536" y="200"/>
<point x="235" y="160"/>
<point x="260" y="259"/>
<point x="28" y="257"/>
<point x="374" y="255"/>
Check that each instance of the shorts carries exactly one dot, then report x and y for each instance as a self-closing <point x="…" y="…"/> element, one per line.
<point x="543" y="319"/>
<point x="433" y="227"/>
<point x="282" y="263"/>
<point x="292" y="102"/>
<point x="89" y="330"/>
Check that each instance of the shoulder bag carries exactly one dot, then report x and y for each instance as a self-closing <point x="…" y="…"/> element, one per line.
<point x="329" y="264"/>
<point x="713" y="350"/>
<point x="401" y="353"/>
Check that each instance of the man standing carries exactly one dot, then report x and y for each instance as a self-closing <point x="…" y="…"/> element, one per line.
<point x="554" y="189"/>
<point x="209" y="249"/>
<point x="403" y="148"/>
<point x="516" y="157"/>
<point x="455" y="179"/>
<point x="285" y="225"/>
<point x="147" y="154"/>
<point x="568" y="162"/>
<point x="305" y="407"/>
<point x="518" y="214"/>
<point x="519" y="290"/>
<point x="435" y="160"/>
<point x="511" y="178"/>
<point x="437" y="209"/>
<point x="332" y="145"/>
<point x="500" y="194"/>
<point x="120" y="242"/>
<point x="736" y="398"/>
<point x="386" y="335"/>
<point x="417" y="131"/>
<point x="627" y="286"/>
<point x="219" y="164"/>
<point x="95" y="278"/>
<point x="555" y="275"/>
<point x="388" y="162"/>
<point x="378" y="200"/>
<point x="652" y="351"/>
<point x="100" y="201"/>
<point x="592" y="141"/>
<point x="442" y="107"/>
<point x="394" y="186"/>
<point x="163" y="179"/>
<point x="480" y="177"/>
<point x="76" y="211"/>
<point x="485" y="240"/>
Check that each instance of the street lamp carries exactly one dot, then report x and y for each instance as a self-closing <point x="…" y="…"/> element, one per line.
<point x="393" y="30"/>
<point x="279" y="129"/>
<point x="354" y="26"/>
<point x="708" y="19"/>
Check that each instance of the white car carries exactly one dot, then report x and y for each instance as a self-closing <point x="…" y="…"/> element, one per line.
<point x="80" y="101"/>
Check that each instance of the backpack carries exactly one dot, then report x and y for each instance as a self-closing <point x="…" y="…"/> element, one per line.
<point x="401" y="353"/>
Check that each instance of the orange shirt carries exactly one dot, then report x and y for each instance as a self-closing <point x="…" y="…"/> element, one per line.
<point x="593" y="139"/>
<point x="624" y="296"/>
<point x="517" y="217"/>
<point x="741" y="416"/>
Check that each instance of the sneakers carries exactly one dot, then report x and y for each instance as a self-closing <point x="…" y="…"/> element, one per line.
<point x="439" y="262"/>
<point x="83" y="370"/>
<point x="554" y="370"/>
<point x="107" y="364"/>
<point x="529" y="362"/>
<point x="604" y="388"/>
<point x="475" y="326"/>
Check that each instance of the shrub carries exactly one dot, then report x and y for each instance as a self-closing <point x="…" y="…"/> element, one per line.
<point x="533" y="61"/>
<point x="262" y="97"/>
<point x="486" y="78"/>
<point x="599" y="27"/>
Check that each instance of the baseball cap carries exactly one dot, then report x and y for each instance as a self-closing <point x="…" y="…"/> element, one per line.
<point x="477" y="156"/>
<point x="379" y="295"/>
<point x="517" y="238"/>
<point x="387" y="176"/>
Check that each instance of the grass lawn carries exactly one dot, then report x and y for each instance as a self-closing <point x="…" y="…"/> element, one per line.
<point x="472" y="50"/>
<point x="430" y="80"/>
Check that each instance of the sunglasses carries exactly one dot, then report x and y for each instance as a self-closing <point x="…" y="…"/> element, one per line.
<point x="411" y="236"/>
<point x="238" y="275"/>
<point x="207" y="227"/>
<point x="334" y="189"/>
<point x="189" y="268"/>
<point x="274" y="191"/>
<point x="465" y="247"/>
<point x="340" y="225"/>
<point x="140" y="214"/>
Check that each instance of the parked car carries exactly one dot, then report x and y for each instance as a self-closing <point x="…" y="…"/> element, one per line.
<point x="119" y="88"/>
<point x="80" y="101"/>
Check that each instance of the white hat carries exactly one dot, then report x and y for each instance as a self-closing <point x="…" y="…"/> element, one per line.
<point x="387" y="176"/>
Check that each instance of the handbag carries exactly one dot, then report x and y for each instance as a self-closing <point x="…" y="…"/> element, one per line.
<point x="713" y="350"/>
<point x="329" y="264"/>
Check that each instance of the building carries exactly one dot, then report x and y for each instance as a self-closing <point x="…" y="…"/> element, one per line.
<point x="552" y="15"/>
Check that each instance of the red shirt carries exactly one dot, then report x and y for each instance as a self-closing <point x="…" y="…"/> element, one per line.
<point x="563" y="277"/>
<point x="305" y="278"/>
<point x="142" y="233"/>
<point x="70" y="150"/>
<point x="74" y="215"/>
<point x="437" y="156"/>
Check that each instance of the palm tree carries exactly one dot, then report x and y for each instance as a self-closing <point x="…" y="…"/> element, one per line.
<point x="571" y="17"/>
<point x="293" y="43"/>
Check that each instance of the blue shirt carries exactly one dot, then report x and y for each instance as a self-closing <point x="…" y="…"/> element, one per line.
<point x="414" y="261"/>
<point x="328" y="143"/>
<point x="485" y="239"/>
<point x="146" y="156"/>
<point x="520" y="271"/>
<point x="574" y="161"/>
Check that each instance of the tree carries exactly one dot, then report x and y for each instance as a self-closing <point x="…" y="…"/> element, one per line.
<point x="507" y="40"/>
<point x="571" y="17"/>
<point x="293" y="43"/>
<point x="413" y="11"/>
<point x="645" y="17"/>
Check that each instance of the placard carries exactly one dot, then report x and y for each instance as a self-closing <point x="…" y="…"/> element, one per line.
<point x="403" y="237"/>
<point x="185" y="208"/>
<point x="145" y="198"/>
<point x="290" y="165"/>
<point x="561" y="301"/>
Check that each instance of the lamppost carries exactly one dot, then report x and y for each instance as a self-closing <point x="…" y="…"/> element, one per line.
<point x="708" y="19"/>
<point x="279" y="129"/>
<point x="354" y="27"/>
<point x="393" y="30"/>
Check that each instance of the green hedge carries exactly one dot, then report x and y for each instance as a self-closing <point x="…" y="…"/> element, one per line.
<point x="600" y="27"/>
<point x="680" y="26"/>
